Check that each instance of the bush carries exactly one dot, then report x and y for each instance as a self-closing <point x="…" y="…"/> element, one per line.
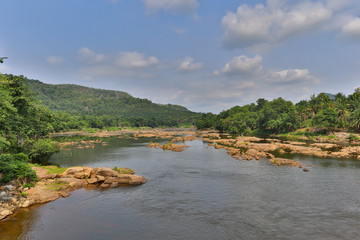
<point x="15" y="167"/>
<point x="41" y="151"/>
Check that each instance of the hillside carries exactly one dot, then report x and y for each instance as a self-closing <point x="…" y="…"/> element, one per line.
<point x="80" y="100"/>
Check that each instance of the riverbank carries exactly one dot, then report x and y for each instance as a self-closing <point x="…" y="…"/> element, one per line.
<point x="57" y="182"/>
<point x="340" y="145"/>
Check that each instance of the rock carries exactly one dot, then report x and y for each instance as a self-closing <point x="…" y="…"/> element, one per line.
<point x="87" y="171"/>
<point x="49" y="176"/>
<point x="39" y="195"/>
<point x="284" y="162"/>
<point x="130" y="179"/>
<point x="92" y="180"/>
<point x="109" y="180"/>
<point x="6" y="199"/>
<point x="27" y="203"/>
<point x="73" y="170"/>
<point x="64" y="193"/>
<point x="104" y="185"/>
<point x="137" y="180"/>
<point x="79" y="175"/>
<point x="14" y="201"/>
<point x="3" y="194"/>
<point x="106" y="172"/>
<point x="73" y="182"/>
<point x="114" y="184"/>
<point x="5" y="213"/>
<point x="9" y="187"/>
<point x="306" y="169"/>
<point x="100" y="178"/>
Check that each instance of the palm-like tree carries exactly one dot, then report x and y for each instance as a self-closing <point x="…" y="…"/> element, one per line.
<point x="355" y="119"/>
<point x="341" y="106"/>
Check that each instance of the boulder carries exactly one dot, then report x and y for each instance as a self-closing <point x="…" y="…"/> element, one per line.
<point x="73" y="182"/>
<point x="39" y="195"/>
<point x="92" y="180"/>
<point x="130" y="179"/>
<point x="104" y="171"/>
<point x="73" y="170"/>
<point x="26" y="204"/>
<point x="79" y="175"/>
<point x="100" y="178"/>
<point x="104" y="185"/>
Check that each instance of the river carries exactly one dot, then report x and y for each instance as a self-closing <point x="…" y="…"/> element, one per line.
<point x="201" y="193"/>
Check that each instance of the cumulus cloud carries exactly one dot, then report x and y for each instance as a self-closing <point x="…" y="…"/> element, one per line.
<point x="134" y="60"/>
<point x="175" y="6"/>
<point x="351" y="30"/>
<point x="55" y="61"/>
<point x="253" y="73"/>
<point x="188" y="65"/>
<point x="269" y="24"/>
<point x="242" y="65"/>
<point x="89" y="56"/>
<point x="122" y="64"/>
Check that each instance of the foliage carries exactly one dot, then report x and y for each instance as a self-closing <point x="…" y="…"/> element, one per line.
<point x="124" y="170"/>
<point x="15" y="167"/>
<point x="324" y="113"/>
<point x="352" y="138"/>
<point x="42" y="150"/>
<point x="77" y="107"/>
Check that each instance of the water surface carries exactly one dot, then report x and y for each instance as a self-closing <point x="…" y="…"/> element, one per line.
<point x="201" y="193"/>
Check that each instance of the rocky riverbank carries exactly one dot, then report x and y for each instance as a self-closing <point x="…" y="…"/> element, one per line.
<point x="51" y="186"/>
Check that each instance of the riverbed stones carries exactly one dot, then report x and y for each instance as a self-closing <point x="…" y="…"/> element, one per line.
<point x="9" y="187"/>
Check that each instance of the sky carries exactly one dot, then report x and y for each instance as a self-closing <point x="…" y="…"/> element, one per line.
<point x="206" y="55"/>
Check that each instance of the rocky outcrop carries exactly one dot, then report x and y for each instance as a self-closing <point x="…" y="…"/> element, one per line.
<point x="52" y="186"/>
<point x="169" y="146"/>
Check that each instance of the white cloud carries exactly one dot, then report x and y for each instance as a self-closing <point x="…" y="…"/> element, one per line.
<point x="175" y="6"/>
<point x="188" y="65"/>
<point x="134" y="60"/>
<point x="242" y="65"/>
<point x="271" y="23"/>
<point x="351" y="30"/>
<point x="55" y="61"/>
<point x="252" y="70"/>
<point x="122" y="64"/>
<point x="89" y="56"/>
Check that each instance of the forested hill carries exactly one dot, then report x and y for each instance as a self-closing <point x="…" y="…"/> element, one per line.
<point x="80" y="100"/>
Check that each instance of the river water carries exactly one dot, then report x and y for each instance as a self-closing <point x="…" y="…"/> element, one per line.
<point x="201" y="193"/>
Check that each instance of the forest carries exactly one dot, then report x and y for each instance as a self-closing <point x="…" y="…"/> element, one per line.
<point x="77" y="107"/>
<point x="323" y="113"/>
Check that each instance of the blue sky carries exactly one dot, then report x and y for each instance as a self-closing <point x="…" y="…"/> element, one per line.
<point x="206" y="55"/>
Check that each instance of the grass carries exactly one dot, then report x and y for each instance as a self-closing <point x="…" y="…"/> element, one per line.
<point x="56" y="185"/>
<point x="51" y="168"/>
<point x="124" y="170"/>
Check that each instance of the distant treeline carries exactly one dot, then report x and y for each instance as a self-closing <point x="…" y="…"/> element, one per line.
<point x="324" y="112"/>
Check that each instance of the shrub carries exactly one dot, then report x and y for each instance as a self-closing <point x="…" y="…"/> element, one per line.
<point x="352" y="138"/>
<point x="15" y="167"/>
<point x="41" y="151"/>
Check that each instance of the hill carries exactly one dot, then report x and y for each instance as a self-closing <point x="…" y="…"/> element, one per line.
<point x="80" y="100"/>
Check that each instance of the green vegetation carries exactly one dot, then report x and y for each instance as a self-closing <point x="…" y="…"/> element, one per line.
<point x="51" y="169"/>
<point x="323" y="114"/>
<point x="124" y="170"/>
<point x="78" y="107"/>
<point x="15" y="167"/>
